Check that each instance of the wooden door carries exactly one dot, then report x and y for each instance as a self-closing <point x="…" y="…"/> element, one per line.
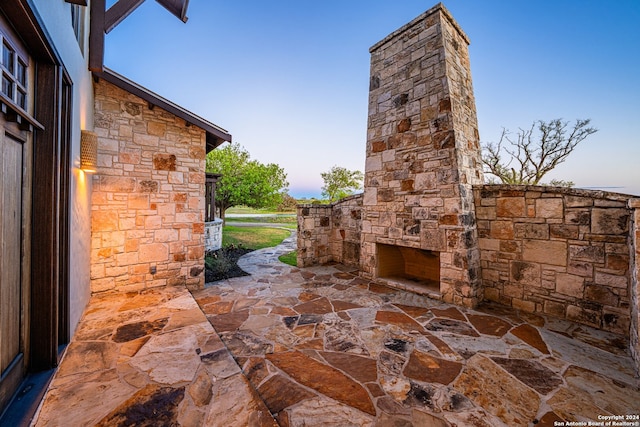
<point x="12" y="296"/>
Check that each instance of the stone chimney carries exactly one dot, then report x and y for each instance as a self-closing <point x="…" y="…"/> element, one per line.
<point x="423" y="156"/>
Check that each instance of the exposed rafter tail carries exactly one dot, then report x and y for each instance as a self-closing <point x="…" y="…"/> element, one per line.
<point x="176" y="7"/>
<point x="118" y="12"/>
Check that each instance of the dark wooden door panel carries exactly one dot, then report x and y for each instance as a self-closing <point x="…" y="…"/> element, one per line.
<point x="11" y="295"/>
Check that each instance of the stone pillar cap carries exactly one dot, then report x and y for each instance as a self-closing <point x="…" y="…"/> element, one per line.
<point x="433" y="10"/>
<point x="634" y="203"/>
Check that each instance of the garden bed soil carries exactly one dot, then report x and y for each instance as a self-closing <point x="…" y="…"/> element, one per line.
<point x="223" y="264"/>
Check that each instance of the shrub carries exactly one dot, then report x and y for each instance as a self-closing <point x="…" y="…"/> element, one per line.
<point x="222" y="263"/>
<point x="288" y="204"/>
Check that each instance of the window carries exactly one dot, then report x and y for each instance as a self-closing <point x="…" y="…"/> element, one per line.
<point x="7" y="87"/>
<point x="7" y="57"/>
<point x="21" y="79"/>
<point x="77" y="22"/>
<point x="14" y="75"/>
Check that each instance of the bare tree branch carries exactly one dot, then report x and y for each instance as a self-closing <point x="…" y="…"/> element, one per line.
<point x="534" y="154"/>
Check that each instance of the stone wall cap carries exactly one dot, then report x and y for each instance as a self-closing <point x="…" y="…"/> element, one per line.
<point x="316" y="205"/>
<point x="579" y="192"/>
<point x="348" y="199"/>
<point x="634" y="203"/>
<point x="437" y="8"/>
<point x="328" y="205"/>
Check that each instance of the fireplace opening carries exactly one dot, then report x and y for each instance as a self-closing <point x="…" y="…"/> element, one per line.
<point x="417" y="269"/>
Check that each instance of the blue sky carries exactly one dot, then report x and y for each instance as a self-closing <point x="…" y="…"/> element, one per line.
<point x="289" y="79"/>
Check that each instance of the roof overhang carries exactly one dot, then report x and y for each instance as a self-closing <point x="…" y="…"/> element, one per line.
<point x="104" y="20"/>
<point x="215" y="134"/>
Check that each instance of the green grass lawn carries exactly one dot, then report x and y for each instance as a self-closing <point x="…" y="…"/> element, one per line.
<point x="289" y="219"/>
<point x="253" y="237"/>
<point x="244" y="210"/>
<point x="247" y="210"/>
<point x="290" y="258"/>
<point x="235" y="241"/>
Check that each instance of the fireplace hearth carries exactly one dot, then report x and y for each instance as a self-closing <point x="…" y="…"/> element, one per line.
<point x="410" y="268"/>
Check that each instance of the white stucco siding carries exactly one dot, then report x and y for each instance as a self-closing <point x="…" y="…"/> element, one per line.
<point x="56" y="18"/>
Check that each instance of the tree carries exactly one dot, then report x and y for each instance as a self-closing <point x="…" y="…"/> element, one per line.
<point x="535" y="151"/>
<point x="245" y="181"/>
<point x="340" y="182"/>
<point x="288" y="203"/>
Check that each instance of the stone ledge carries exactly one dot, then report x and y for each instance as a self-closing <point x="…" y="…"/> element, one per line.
<point x="433" y="10"/>
<point x="594" y="194"/>
<point x="329" y="205"/>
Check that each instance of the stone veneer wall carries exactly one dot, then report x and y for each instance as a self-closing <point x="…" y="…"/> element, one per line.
<point x="148" y="196"/>
<point x="423" y="152"/>
<point x="567" y="253"/>
<point x="330" y="232"/>
<point x="562" y="252"/>
<point x="634" y="204"/>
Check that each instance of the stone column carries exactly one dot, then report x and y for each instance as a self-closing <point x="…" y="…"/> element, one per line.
<point x="423" y="152"/>
<point x="634" y="332"/>
<point x="314" y="232"/>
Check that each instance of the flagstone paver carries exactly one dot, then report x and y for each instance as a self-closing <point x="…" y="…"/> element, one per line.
<point x="416" y="358"/>
<point x="149" y="358"/>
<point x="323" y="347"/>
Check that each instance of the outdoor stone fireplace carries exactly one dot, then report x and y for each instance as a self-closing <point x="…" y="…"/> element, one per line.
<point x="427" y="223"/>
<point x="423" y="156"/>
<point x="409" y="266"/>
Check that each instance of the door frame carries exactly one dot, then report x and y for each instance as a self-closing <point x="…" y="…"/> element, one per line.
<point x="49" y="187"/>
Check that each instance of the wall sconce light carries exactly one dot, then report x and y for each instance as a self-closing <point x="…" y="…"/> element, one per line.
<point x="89" y="151"/>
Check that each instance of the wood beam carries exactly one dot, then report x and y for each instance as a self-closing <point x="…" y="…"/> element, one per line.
<point x="102" y="21"/>
<point x="118" y="12"/>
<point x="8" y="107"/>
<point x="177" y="7"/>
<point x="78" y="2"/>
<point x="44" y="221"/>
<point x="96" y="36"/>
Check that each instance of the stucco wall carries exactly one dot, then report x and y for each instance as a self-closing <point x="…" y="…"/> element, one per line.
<point x="148" y="198"/>
<point x="56" y="17"/>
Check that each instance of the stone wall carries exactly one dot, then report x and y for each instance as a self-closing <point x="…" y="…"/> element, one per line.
<point x="314" y="235"/>
<point x="566" y="253"/>
<point x="329" y="233"/>
<point x="634" y="204"/>
<point x="423" y="152"/>
<point x="148" y="196"/>
<point x="562" y="252"/>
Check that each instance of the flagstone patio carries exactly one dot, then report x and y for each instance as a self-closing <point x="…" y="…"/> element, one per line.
<point x="322" y="347"/>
